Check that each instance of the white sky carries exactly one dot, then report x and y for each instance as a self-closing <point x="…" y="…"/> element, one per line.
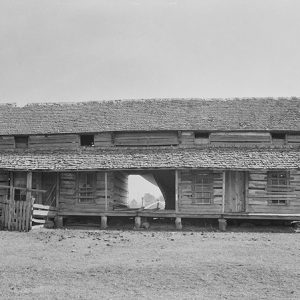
<point x="138" y="186"/>
<point x="75" y="50"/>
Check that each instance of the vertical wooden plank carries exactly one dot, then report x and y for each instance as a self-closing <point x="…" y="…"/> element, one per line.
<point x="176" y="191"/>
<point x="106" y="199"/>
<point x="223" y="191"/>
<point x="11" y="200"/>
<point x="29" y="198"/>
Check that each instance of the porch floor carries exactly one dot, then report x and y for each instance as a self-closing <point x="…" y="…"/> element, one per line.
<point x="174" y="214"/>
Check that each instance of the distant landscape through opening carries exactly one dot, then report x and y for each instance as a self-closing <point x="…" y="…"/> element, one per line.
<point x="144" y="192"/>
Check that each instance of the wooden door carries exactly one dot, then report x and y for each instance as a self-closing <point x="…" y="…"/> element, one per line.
<point x="234" y="191"/>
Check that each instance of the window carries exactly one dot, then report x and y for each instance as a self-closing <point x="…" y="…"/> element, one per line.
<point x="202" y="188"/>
<point x="201" y="137"/>
<point x="278" y="137"/>
<point x="87" y="140"/>
<point x="21" y="142"/>
<point x="278" y="184"/>
<point x="277" y="202"/>
<point x="86" y="187"/>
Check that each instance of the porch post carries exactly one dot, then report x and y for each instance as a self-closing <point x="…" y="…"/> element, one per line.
<point x="11" y="189"/>
<point x="28" y="199"/>
<point x="57" y="190"/>
<point x="29" y="186"/>
<point x="223" y="192"/>
<point x="176" y="192"/>
<point x="105" y="183"/>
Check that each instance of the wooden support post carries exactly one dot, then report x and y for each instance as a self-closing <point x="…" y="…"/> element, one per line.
<point x="246" y="191"/>
<point x="178" y="223"/>
<point x="223" y="192"/>
<point x="176" y="192"/>
<point x="11" y="201"/>
<point x="29" y="199"/>
<point x="222" y="224"/>
<point x="57" y="190"/>
<point x="106" y="199"/>
<point x="137" y="223"/>
<point x="103" y="222"/>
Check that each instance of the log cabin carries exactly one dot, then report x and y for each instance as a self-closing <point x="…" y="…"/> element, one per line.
<point x="211" y="158"/>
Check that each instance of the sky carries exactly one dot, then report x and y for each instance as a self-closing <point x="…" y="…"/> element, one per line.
<point x="71" y="50"/>
<point x="138" y="187"/>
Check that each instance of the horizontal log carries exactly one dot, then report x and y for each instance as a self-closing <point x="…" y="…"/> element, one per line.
<point x="39" y="221"/>
<point x="44" y="213"/>
<point x="45" y="207"/>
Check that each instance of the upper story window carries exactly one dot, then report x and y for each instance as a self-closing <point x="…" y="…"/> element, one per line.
<point x="87" y="140"/>
<point x="278" y="137"/>
<point x="21" y="142"/>
<point x="202" y="137"/>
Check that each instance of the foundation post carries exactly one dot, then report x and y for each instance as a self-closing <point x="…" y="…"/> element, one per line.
<point x="178" y="223"/>
<point x="222" y="224"/>
<point x="59" y="222"/>
<point x="137" y="222"/>
<point x="103" y="222"/>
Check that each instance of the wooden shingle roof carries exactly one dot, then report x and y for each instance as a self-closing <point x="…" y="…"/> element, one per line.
<point x="152" y="158"/>
<point x="157" y="114"/>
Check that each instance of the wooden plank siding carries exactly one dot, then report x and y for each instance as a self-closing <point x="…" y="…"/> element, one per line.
<point x="259" y="197"/>
<point x="7" y="142"/>
<point x="154" y="138"/>
<point x="56" y="141"/>
<point x="103" y="139"/>
<point x="293" y="139"/>
<point x="185" y="201"/>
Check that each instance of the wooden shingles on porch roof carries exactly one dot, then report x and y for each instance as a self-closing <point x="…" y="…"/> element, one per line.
<point x="246" y="114"/>
<point x="118" y="159"/>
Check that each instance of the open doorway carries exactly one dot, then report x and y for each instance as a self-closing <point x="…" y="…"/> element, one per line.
<point x="143" y="192"/>
<point x="153" y="189"/>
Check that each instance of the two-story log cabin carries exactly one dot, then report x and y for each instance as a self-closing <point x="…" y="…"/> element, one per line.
<point x="225" y="159"/>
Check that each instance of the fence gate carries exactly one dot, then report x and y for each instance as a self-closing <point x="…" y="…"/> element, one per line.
<point x="16" y="214"/>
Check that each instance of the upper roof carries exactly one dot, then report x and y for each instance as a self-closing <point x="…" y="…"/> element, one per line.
<point x="282" y="114"/>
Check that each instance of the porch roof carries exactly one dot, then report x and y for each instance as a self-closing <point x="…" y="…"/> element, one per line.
<point x="152" y="158"/>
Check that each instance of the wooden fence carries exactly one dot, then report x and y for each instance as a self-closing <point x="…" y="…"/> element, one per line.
<point x="15" y="215"/>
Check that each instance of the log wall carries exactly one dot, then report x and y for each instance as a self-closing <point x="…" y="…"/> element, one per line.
<point x="154" y="138"/>
<point x="4" y="181"/>
<point x="7" y="142"/>
<point x="185" y="201"/>
<point x="68" y="193"/>
<point x="258" y="197"/>
<point x="120" y="189"/>
<point x="44" y="142"/>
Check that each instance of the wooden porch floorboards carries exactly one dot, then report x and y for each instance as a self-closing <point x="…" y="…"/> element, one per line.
<point x="174" y="214"/>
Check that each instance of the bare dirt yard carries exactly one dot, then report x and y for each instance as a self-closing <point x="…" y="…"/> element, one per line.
<point x="119" y="264"/>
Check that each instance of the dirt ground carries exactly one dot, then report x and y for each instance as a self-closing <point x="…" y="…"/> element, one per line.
<point x="147" y="264"/>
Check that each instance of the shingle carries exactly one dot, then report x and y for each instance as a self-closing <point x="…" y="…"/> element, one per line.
<point x="156" y="114"/>
<point x="209" y="157"/>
